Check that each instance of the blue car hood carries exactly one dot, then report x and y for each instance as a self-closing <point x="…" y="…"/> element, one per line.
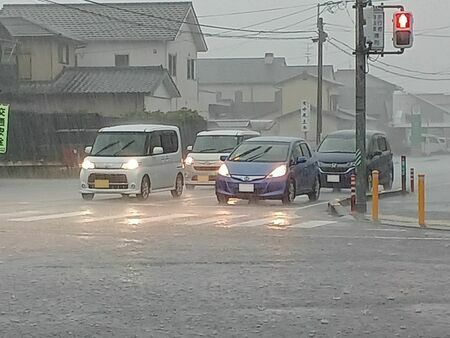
<point x="251" y="168"/>
<point x="335" y="157"/>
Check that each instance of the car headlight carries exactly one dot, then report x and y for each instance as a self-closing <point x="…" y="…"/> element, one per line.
<point x="223" y="170"/>
<point x="189" y="161"/>
<point x="87" y="164"/>
<point x="278" y="172"/>
<point x="131" y="164"/>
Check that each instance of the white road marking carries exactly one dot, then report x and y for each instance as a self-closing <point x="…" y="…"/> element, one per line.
<point x="51" y="216"/>
<point x="311" y="205"/>
<point x="252" y="223"/>
<point x="107" y="218"/>
<point x="392" y="230"/>
<point x="216" y="220"/>
<point x="24" y="212"/>
<point x="312" y="224"/>
<point x="137" y="221"/>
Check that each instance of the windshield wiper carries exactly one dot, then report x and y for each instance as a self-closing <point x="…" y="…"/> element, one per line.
<point x="124" y="147"/>
<point x="255" y="157"/>
<point x="106" y="147"/>
<point x="245" y="153"/>
<point x="225" y="149"/>
<point x="336" y="151"/>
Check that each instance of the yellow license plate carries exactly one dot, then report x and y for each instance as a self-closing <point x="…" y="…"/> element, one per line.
<point x="101" y="184"/>
<point x="203" y="178"/>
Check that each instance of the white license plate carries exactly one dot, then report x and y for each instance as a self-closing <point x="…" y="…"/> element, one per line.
<point x="333" y="178"/>
<point x="246" y="188"/>
<point x="203" y="178"/>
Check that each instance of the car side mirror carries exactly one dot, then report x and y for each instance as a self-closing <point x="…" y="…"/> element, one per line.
<point x="88" y="150"/>
<point x="223" y="158"/>
<point x="189" y="148"/>
<point x="301" y="159"/>
<point x="158" y="151"/>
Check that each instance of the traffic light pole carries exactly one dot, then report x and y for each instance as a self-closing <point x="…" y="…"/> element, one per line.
<point x="361" y="175"/>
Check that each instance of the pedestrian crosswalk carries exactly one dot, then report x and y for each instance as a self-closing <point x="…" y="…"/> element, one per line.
<point x="229" y="219"/>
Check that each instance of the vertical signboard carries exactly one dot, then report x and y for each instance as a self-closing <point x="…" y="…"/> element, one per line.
<point x="305" y="112"/>
<point x="4" y="115"/>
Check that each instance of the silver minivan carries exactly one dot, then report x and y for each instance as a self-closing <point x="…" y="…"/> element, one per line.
<point x="203" y="160"/>
<point x="133" y="160"/>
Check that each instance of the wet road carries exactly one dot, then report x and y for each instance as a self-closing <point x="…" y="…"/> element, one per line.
<point x="188" y="267"/>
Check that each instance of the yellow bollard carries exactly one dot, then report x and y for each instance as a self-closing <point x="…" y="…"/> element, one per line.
<point x="421" y="200"/>
<point x="375" y="174"/>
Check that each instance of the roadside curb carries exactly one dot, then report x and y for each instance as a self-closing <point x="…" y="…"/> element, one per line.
<point x="411" y="225"/>
<point x="339" y="206"/>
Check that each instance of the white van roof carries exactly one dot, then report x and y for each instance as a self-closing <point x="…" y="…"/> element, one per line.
<point x="228" y="132"/>
<point x="138" y="128"/>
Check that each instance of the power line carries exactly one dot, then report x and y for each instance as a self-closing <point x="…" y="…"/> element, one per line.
<point x="186" y="22"/>
<point x="389" y="71"/>
<point x="206" y="34"/>
<point x="252" y="12"/>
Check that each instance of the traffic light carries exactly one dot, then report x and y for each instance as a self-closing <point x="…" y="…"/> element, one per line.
<point x="403" y="29"/>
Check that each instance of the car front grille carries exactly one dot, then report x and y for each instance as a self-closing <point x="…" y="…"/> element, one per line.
<point x="206" y="168"/>
<point x="116" y="181"/>
<point x="335" y="169"/>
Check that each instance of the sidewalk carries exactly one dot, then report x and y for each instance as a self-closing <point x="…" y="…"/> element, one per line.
<point x="402" y="211"/>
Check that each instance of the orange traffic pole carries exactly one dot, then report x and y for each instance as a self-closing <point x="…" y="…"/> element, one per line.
<point x="375" y="174"/>
<point x="421" y="200"/>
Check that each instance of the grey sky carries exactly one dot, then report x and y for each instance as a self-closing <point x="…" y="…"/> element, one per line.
<point x="429" y="54"/>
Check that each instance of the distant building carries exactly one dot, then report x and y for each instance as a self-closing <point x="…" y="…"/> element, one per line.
<point x="50" y="39"/>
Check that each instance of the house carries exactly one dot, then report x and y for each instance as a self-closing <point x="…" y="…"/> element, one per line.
<point x="109" y="91"/>
<point x="54" y="37"/>
<point x="245" y="87"/>
<point x="379" y="104"/>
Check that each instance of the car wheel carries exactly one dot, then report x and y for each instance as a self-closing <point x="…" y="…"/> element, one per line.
<point x="190" y="187"/>
<point x="315" y="194"/>
<point x="178" y="191"/>
<point x="289" y="194"/>
<point x="87" y="197"/>
<point x="145" y="189"/>
<point x="222" y="199"/>
<point x="390" y="183"/>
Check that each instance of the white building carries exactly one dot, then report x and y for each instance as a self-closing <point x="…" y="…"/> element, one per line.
<point x="127" y="34"/>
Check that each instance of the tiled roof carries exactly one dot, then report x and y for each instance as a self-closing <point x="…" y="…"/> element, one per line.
<point x="20" y="27"/>
<point x="251" y="70"/>
<point x="105" y="80"/>
<point x="115" y="21"/>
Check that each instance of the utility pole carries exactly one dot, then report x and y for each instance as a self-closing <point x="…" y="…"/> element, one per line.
<point x="320" y="40"/>
<point x="361" y="175"/>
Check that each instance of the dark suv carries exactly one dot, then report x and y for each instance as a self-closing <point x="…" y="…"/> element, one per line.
<point x="336" y="155"/>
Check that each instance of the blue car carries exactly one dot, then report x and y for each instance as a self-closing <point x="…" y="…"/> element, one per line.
<point x="269" y="168"/>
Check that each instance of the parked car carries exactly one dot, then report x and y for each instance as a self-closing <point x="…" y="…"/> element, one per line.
<point x="133" y="160"/>
<point x="203" y="160"/>
<point x="269" y="168"/>
<point x="336" y="156"/>
<point x="433" y="145"/>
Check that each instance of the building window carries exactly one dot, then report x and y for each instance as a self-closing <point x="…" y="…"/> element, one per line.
<point x="191" y="69"/>
<point x="122" y="60"/>
<point x="173" y="65"/>
<point x="63" y="53"/>
<point x="24" y="66"/>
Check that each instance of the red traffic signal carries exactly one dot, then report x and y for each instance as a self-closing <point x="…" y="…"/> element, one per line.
<point x="403" y="20"/>
<point x="403" y="29"/>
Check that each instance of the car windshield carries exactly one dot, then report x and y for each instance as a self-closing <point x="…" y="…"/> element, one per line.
<point x="215" y="144"/>
<point x="260" y="152"/>
<point x="119" y="144"/>
<point x="338" y="144"/>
